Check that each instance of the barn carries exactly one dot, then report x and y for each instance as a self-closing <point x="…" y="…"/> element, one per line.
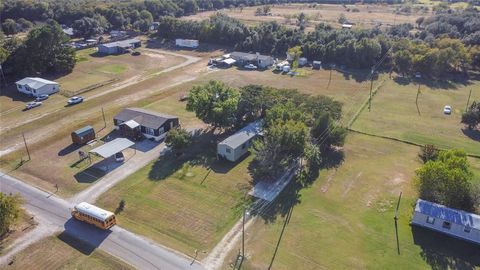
<point x="83" y="135"/>
<point x="119" y="47"/>
<point x="235" y="146"/>
<point x="453" y="222"/>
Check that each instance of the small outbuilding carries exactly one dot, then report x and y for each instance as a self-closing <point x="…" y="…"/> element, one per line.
<point x="83" y="135"/>
<point x="302" y="61"/>
<point x="317" y="64"/>
<point x="453" y="222"/>
<point x="235" y="146"/>
<point x="35" y="86"/>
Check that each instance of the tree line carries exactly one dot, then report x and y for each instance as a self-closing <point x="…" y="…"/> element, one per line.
<point x="359" y="48"/>
<point x="296" y="125"/>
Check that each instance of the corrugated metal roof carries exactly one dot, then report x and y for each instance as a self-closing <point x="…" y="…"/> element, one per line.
<point x="84" y="130"/>
<point x="249" y="56"/>
<point x="244" y="135"/>
<point x="35" y="82"/>
<point x="122" y="43"/>
<point x="111" y="148"/>
<point x="93" y="211"/>
<point x="448" y="214"/>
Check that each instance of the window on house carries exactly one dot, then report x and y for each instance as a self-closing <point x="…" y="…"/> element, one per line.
<point x="467" y="229"/>
<point x="430" y="220"/>
<point x="228" y="150"/>
<point x="446" y="225"/>
<point x="150" y="131"/>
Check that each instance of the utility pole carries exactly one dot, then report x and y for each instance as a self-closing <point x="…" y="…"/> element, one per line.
<point x="468" y="100"/>
<point x="371" y="87"/>
<point x="329" y="78"/>
<point x="396" y="222"/>
<point x="243" y="235"/>
<point x="104" y="122"/>
<point x="26" y="147"/>
<point x="416" y="99"/>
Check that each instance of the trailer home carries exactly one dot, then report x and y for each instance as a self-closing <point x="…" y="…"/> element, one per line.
<point x="235" y="146"/>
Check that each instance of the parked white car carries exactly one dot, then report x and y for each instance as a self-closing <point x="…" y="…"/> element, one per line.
<point x="41" y="97"/>
<point x="33" y="104"/>
<point x="447" y="109"/>
<point x="250" y="66"/>
<point x="75" y="100"/>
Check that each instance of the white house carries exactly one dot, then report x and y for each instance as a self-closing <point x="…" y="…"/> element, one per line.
<point x="453" y="222"/>
<point x="37" y="86"/>
<point x="235" y="146"/>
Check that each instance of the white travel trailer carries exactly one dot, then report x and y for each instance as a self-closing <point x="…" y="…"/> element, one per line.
<point x="235" y="146"/>
<point x="189" y="43"/>
<point x="37" y="86"/>
<point x="453" y="222"/>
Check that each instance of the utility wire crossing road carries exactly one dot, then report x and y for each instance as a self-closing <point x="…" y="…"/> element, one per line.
<point x="133" y="249"/>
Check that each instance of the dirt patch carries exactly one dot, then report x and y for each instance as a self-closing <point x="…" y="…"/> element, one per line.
<point x="350" y="184"/>
<point x="327" y="184"/>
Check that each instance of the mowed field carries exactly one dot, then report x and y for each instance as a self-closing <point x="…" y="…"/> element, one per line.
<point x="367" y="16"/>
<point x="64" y="252"/>
<point x="187" y="203"/>
<point x="394" y="114"/>
<point x="345" y="219"/>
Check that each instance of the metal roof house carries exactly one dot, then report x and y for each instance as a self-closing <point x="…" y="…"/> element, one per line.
<point x="235" y="146"/>
<point x="261" y="61"/>
<point x="136" y="123"/>
<point x="119" y="47"/>
<point x="453" y="222"/>
<point x="35" y="86"/>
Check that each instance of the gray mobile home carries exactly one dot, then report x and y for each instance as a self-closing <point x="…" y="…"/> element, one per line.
<point x="453" y="222"/>
<point x="235" y="146"/>
<point x="37" y="86"/>
<point x="261" y="61"/>
<point x="119" y="47"/>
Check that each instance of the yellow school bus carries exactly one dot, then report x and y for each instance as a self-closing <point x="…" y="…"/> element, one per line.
<point x="99" y="217"/>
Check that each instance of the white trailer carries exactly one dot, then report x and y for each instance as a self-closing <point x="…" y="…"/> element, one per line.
<point x="189" y="43"/>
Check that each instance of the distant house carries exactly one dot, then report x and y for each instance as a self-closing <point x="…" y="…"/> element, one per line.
<point x="235" y="146"/>
<point x="136" y="123"/>
<point x="83" y="135"/>
<point x="68" y="31"/>
<point x="119" y="47"/>
<point x="188" y="43"/>
<point x="317" y="64"/>
<point x="456" y="223"/>
<point x="302" y="61"/>
<point x="261" y="61"/>
<point x="117" y="34"/>
<point x="37" y="86"/>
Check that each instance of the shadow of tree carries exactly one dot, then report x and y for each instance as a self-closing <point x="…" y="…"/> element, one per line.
<point x="473" y="134"/>
<point x="201" y="152"/>
<point x="451" y="83"/>
<point x="442" y="252"/>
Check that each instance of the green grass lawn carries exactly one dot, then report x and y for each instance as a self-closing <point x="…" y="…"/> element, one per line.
<point x="186" y="203"/>
<point x="394" y="114"/>
<point x="345" y="219"/>
<point x="112" y="69"/>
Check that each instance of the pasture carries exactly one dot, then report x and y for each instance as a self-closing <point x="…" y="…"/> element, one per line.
<point x="64" y="252"/>
<point x="344" y="220"/>
<point x="364" y="16"/>
<point x="394" y="114"/>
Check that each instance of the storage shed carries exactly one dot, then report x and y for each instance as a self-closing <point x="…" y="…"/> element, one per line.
<point x="83" y="135"/>
<point x="235" y="146"/>
<point x="453" y="222"/>
<point x="302" y="61"/>
<point x="317" y="64"/>
<point x="119" y="47"/>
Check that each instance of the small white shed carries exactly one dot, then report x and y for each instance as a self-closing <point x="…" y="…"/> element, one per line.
<point x="453" y="222"/>
<point x="235" y="146"/>
<point x="302" y="61"/>
<point x="37" y="86"/>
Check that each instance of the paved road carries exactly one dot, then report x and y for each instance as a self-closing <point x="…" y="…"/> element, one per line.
<point x="133" y="249"/>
